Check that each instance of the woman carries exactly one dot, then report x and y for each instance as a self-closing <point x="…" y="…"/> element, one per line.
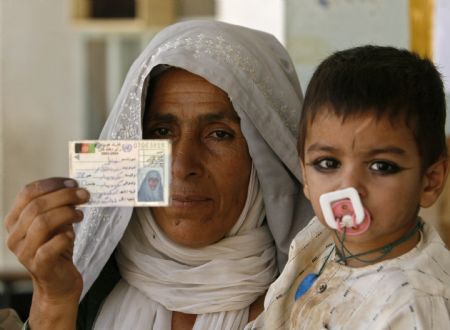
<point x="229" y="99"/>
<point x="151" y="188"/>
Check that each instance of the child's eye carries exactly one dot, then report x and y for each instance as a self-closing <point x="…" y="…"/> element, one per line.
<point x="326" y="164"/>
<point x="384" y="167"/>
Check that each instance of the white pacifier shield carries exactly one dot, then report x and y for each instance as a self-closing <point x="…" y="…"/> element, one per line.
<point x="326" y="201"/>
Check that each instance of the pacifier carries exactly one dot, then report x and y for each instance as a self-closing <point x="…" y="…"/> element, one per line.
<point x="344" y="212"/>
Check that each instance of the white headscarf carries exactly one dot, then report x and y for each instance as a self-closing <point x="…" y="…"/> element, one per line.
<point x="255" y="71"/>
<point x="218" y="282"/>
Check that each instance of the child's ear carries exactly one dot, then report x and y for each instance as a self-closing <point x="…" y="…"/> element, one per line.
<point x="434" y="181"/>
<point x="305" y="180"/>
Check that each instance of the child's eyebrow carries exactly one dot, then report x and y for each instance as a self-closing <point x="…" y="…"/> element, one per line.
<point x="320" y="147"/>
<point x="387" y="150"/>
<point x="371" y="152"/>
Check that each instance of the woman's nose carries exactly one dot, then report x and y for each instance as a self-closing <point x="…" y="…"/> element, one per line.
<point x="186" y="158"/>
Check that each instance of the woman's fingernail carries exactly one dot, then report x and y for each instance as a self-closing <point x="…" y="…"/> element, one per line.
<point x="70" y="183"/>
<point x="80" y="214"/>
<point x="70" y="234"/>
<point x="82" y="194"/>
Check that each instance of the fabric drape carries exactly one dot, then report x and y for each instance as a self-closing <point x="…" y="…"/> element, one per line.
<point x="218" y="282"/>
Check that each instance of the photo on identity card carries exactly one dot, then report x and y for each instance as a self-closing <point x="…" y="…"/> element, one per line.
<point x="122" y="172"/>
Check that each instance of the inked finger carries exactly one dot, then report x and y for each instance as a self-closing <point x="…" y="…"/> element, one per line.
<point x="53" y="223"/>
<point x="43" y="204"/>
<point x="41" y="229"/>
<point x="34" y="190"/>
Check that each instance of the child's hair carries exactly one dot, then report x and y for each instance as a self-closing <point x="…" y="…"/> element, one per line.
<point x="384" y="81"/>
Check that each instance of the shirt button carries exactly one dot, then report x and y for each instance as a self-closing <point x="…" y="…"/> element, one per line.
<point x="321" y="288"/>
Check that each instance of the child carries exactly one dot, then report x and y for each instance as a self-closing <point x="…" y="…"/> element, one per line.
<point x="372" y="126"/>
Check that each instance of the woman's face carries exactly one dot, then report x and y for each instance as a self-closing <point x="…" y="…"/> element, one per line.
<point x="210" y="159"/>
<point x="153" y="183"/>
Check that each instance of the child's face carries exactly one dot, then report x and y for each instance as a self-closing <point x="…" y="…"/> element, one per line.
<point x="380" y="160"/>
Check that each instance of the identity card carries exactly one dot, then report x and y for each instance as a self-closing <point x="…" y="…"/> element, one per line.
<point x="122" y="172"/>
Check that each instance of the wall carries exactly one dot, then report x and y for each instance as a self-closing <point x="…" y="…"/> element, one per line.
<point x="316" y="28"/>
<point x="2" y="256"/>
<point x="39" y="106"/>
<point x="441" y="45"/>
<point x="265" y="15"/>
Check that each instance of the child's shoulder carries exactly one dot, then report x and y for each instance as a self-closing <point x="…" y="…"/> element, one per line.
<point x="426" y="268"/>
<point x="412" y="288"/>
<point x="313" y="235"/>
<point x="305" y="249"/>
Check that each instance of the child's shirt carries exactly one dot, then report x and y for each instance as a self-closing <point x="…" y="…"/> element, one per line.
<point x="408" y="292"/>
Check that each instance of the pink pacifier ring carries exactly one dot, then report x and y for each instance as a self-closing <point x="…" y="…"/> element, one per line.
<point x="343" y="208"/>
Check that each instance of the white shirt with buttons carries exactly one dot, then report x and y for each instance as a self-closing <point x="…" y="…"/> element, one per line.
<point x="408" y="292"/>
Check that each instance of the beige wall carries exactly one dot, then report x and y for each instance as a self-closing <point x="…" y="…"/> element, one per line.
<point x="39" y="107"/>
<point x="315" y="29"/>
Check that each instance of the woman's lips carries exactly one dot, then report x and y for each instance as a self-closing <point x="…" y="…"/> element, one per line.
<point x="183" y="201"/>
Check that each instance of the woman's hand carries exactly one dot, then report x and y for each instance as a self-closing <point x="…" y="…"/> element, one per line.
<point x="41" y="236"/>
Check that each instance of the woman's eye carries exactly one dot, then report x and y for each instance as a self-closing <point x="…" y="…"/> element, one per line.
<point x="325" y="164"/>
<point x="158" y="133"/>
<point x="221" y="135"/>
<point x="384" y="167"/>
